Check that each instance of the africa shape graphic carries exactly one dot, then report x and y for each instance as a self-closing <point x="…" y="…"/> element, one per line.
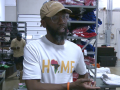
<point x="55" y="64"/>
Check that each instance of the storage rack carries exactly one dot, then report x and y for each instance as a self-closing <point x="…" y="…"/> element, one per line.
<point x="88" y="8"/>
<point x="11" y="29"/>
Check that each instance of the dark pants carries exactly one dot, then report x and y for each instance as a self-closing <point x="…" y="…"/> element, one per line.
<point x="18" y="59"/>
<point x="19" y="62"/>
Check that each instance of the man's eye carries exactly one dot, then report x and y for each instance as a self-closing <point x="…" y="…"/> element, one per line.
<point x="55" y="17"/>
<point x="63" y="16"/>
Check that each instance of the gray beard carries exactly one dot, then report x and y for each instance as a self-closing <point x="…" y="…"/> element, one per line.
<point x="59" y="38"/>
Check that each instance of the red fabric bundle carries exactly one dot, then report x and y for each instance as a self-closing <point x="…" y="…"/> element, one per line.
<point x="86" y="35"/>
<point x="75" y="76"/>
<point x="80" y="30"/>
<point x="87" y="62"/>
<point x="71" y="2"/>
<point x="89" y="59"/>
<point x="89" y="2"/>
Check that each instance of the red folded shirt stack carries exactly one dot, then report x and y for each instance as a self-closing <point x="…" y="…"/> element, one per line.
<point x="82" y="32"/>
<point x="86" y="34"/>
<point x="89" y="2"/>
<point x="71" y="2"/>
<point x="89" y="60"/>
<point x="75" y="76"/>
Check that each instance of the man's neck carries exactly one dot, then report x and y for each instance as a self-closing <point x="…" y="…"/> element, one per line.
<point x="51" y="39"/>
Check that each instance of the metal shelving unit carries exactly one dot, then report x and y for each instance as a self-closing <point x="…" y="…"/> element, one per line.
<point x="74" y="37"/>
<point x="78" y="6"/>
<point x="84" y="22"/>
<point x="13" y="30"/>
<point x="88" y="8"/>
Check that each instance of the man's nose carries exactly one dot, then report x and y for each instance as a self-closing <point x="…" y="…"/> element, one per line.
<point x="61" y="20"/>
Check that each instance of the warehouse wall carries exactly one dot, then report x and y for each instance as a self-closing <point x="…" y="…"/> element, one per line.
<point x="10" y="13"/>
<point x="115" y="26"/>
<point x="23" y="7"/>
<point x="33" y="7"/>
<point x="2" y="10"/>
<point x="29" y="6"/>
<point x="115" y="42"/>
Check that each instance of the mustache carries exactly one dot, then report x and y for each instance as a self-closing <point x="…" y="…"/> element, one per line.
<point x="63" y="26"/>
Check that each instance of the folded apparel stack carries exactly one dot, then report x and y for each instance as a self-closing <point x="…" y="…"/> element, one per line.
<point x="111" y="79"/>
<point x="86" y="35"/>
<point x="72" y="2"/>
<point x="90" y="16"/>
<point x="81" y="31"/>
<point x="100" y="72"/>
<point x="89" y="2"/>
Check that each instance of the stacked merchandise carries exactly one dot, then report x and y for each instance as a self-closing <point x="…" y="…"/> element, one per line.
<point x="87" y="31"/>
<point x="8" y="31"/>
<point x="5" y="30"/>
<point x="14" y="31"/>
<point x="84" y="30"/>
<point x="89" y="60"/>
<point x="78" y="2"/>
<point x="10" y="28"/>
<point x="4" y="27"/>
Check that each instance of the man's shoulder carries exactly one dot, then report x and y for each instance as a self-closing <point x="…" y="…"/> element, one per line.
<point x="37" y="41"/>
<point x="14" y="40"/>
<point x="23" y="40"/>
<point x="72" y="44"/>
<point x="33" y="43"/>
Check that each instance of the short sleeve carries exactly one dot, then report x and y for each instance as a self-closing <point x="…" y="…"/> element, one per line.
<point x="31" y="63"/>
<point x="12" y="43"/>
<point x="24" y="43"/>
<point x="81" y="67"/>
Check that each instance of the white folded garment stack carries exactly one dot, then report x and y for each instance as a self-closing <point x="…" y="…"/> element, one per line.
<point x="111" y="79"/>
<point x="100" y="71"/>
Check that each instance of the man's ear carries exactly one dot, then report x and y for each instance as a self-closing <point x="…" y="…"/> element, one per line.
<point x="43" y="23"/>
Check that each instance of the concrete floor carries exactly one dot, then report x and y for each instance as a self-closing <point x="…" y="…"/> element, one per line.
<point x="11" y="83"/>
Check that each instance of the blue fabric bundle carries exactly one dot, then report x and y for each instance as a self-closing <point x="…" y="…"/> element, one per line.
<point x="90" y="16"/>
<point x="89" y="47"/>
